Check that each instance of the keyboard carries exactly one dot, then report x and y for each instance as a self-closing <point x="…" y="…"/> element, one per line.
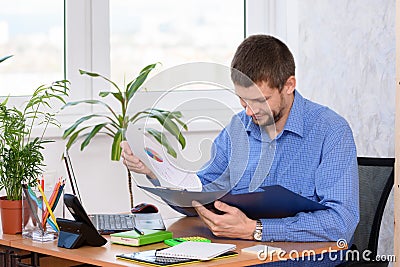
<point x="112" y="223"/>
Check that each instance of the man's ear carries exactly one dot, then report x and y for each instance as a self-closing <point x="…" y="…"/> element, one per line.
<point x="290" y="85"/>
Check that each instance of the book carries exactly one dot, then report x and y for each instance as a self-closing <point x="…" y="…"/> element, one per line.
<point x="262" y="248"/>
<point x="195" y="250"/>
<point x="133" y="238"/>
<point x="274" y="201"/>
<point x="149" y="258"/>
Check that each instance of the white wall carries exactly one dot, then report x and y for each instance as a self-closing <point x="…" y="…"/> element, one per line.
<point x="347" y="61"/>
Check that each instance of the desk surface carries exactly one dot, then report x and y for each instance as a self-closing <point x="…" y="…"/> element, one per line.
<point x="187" y="226"/>
<point x="5" y="239"/>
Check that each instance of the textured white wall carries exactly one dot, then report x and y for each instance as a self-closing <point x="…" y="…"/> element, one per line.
<point x="347" y="61"/>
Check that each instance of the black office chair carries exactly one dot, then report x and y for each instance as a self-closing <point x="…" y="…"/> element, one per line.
<point x="376" y="181"/>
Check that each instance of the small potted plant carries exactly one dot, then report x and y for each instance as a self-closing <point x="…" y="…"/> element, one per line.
<point x="116" y="123"/>
<point x="21" y="158"/>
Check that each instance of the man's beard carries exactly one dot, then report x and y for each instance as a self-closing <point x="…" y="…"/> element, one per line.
<point x="270" y="120"/>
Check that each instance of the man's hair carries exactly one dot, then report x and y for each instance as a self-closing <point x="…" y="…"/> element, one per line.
<point x="262" y="58"/>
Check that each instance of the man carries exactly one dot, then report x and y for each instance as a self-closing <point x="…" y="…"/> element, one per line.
<point x="313" y="148"/>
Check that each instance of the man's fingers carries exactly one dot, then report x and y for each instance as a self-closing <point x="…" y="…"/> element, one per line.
<point x="126" y="148"/>
<point x="134" y="165"/>
<point x="207" y="221"/>
<point x="223" y="206"/>
<point x="206" y="214"/>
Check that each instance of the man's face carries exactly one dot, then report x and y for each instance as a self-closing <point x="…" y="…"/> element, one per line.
<point x="264" y="104"/>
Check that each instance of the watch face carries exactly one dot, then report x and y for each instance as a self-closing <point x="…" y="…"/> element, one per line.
<point x="257" y="236"/>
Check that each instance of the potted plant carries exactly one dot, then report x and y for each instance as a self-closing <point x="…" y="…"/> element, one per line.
<point x="116" y="123"/>
<point x="21" y="158"/>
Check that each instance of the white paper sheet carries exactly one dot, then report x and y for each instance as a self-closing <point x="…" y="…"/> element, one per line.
<point x="163" y="165"/>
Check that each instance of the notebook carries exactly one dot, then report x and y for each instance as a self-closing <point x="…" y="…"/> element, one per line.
<point x="132" y="238"/>
<point x="148" y="257"/>
<point x="196" y="250"/>
<point x="114" y="223"/>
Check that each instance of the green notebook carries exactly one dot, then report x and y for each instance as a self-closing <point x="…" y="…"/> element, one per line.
<point x="132" y="238"/>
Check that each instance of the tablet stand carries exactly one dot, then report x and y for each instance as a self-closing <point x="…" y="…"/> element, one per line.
<point x="75" y="234"/>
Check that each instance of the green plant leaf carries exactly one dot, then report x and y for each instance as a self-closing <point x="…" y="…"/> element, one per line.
<point x="74" y="136"/>
<point x="104" y="94"/>
<point x="91" y="102"/>
<point x="95" y="130"/>
<point x="116" y="148"/>
<point x="162" y="139"/>
<point x="176" y="115"/>
<point x="117" y="95"/>
<point x="5" y="101"/>
<point x="93" y="74"/>
<point x="73" y="127"/>
<point x="5" y="58"/>
<point x="134" y="85"/>
<point x="169" y="125"/>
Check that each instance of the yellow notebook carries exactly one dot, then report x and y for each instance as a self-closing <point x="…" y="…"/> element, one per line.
<point x="132" y="238"/>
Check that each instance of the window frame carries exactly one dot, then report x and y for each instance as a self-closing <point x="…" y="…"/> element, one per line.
<point x="87" y="46"/>
<point x="94" y="38"/>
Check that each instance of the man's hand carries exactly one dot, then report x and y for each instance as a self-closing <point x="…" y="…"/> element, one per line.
<point x="133" y="162"/>
<point x="234" y="223"/>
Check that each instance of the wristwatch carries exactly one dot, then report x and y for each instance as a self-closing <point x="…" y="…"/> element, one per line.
<point x="257" y="234"/>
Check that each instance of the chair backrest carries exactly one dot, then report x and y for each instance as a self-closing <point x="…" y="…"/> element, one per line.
<point x="376" y="181"/>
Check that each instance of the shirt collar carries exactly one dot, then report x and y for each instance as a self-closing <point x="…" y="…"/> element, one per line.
<point x="294" y="122"/>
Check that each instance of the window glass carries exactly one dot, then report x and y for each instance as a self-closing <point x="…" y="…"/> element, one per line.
<point x="172" y="32"/>
<point x="32" y="31"/>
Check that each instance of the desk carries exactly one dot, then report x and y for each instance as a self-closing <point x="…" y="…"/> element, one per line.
<point x="186" y="226"/>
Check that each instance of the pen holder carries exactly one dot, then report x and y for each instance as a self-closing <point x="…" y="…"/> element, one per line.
<point x="37" y="223"/>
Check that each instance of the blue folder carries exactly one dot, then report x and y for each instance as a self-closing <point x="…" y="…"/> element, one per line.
<point x="274" y="202"/>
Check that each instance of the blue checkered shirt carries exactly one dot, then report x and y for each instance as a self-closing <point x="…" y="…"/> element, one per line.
<point x="314" y="156"/>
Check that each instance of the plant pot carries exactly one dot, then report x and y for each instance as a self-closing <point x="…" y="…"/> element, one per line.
<point x="11" y="215"/>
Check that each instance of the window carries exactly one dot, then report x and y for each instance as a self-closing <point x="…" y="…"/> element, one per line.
<point x="35" y="36"/>
<point x="115" y="38"/>
<point x="172" y="32"/>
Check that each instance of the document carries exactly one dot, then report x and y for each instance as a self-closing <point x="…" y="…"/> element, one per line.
<point x="163" y="165"/>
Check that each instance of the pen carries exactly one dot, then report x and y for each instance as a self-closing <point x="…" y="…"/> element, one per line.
<point x="48" y="207"/>
<point x="140" y="232"/>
